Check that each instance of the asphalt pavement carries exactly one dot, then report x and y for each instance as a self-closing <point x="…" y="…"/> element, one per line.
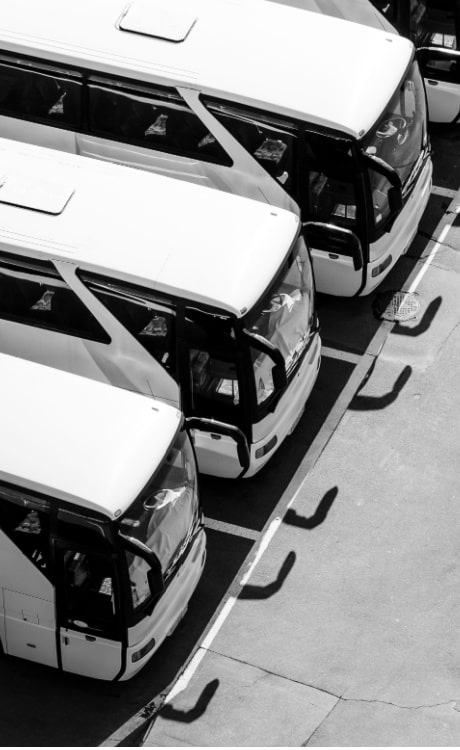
<point x="344" y="629"/>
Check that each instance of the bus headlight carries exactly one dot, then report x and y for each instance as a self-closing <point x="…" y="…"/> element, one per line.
<point x="382" y="267"/>
<point x="267" y="447"/>
<point x="144" y="650"/>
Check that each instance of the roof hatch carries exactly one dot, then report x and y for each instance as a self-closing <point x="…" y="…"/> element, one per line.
<point x="164" y="19"/>
<point x="35" y="193"/>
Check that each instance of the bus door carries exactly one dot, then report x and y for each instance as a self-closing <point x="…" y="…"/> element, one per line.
<point x="87" y="604"/>
<point x="214" y="401"/>
<point x="330" y="190"/>
<point x="27" y="608"/>
<point x="39" y="106"/>
<point x="440" y="67"/>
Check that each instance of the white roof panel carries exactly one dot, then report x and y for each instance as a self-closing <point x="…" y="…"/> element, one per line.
<point x="35" y="192"/>
<point x="185" y="239"/>
<point x="77" y="439"/>
<point x="328" y="70"/>
<point x="166" y="20"/>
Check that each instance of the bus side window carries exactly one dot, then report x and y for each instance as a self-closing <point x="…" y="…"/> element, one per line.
<point x="41" y="96"/>
<point x="213" y="370"/>
<point x="153" y="325"/>
<point x="331" y="199"/>
<point x="40" y="298"/>
<point x="331" y="195"/>
<point x="152" y="121"/>
<point x="25" y="520"/>
<point x="271" y="142"/>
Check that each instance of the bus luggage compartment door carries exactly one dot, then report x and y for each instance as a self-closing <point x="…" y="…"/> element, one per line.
<point x="30" y="628"/>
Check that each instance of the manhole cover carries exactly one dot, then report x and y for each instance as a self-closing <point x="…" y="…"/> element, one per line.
<point x="396" y="306"/>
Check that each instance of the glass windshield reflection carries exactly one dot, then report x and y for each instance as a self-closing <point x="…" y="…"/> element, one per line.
<point x="399" y="136"/>
<point x="284" y="317"/>
<point x="163" y="517"/>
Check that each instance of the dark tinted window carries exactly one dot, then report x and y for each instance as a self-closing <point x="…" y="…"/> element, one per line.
<point x="273" y="142"/>
<point x="34" y="294"/>
<point x="153" y="120"/>
<point x="331" y="195"/>
<point x="151" y="322"/>
<point x="25" y="519"/>
<point x="213" y="367"/>
<point x="41" y="96"/>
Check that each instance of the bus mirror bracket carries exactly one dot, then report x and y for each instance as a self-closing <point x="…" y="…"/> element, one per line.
<point x="154" y="572"/>
<point x="222" y="428"/>
<point x="266" y="346"/>
<point x="334" y="239"/>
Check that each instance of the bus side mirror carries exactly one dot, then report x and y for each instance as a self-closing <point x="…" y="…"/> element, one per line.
<point x="155" y="580"/>
<point x="334" y="239"/>
<point x="279" y="376"/>
<point x="395" y="201"/>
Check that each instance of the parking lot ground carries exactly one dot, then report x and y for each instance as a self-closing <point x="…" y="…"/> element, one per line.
<point x="344" y="630"/>
<point x="326" y="613"/>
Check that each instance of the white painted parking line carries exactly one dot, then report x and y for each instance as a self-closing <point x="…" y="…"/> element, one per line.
<point x="363" y="363"/>
<point x="190" y="670"/>
<point x="230" y="528"/>
<point x="329" y="351"/>
<point x="443" y="191"/>
<point x="427" y="262"/>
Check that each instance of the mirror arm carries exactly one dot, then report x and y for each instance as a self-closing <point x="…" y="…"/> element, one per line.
<point x="381" y="166"/>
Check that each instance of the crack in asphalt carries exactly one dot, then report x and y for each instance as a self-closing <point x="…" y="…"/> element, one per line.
<point x="432" y="238"/>
<point x="270" y="672"/>
<point x="397" y="705"/>
<point x="328" y="692"/>
<point x="339" y="698"/>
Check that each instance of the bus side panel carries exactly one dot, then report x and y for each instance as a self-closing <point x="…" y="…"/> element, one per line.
<point x="28" y="612"/>
<point x="228" y="179"/>
<point x="70" y="353"/>
<point x="30" y="628"/>
<point x="160" y="162"/>
<point x="40" y="135"/>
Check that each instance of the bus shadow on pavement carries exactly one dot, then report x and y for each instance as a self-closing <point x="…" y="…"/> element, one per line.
<point x="375" y="403"/>
<point x="292" y="518"/>
<point x="250" y="502"/>
<point x="253" y="591"/>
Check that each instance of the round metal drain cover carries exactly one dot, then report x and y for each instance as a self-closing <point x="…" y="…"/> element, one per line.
<point x="396" y="306"/>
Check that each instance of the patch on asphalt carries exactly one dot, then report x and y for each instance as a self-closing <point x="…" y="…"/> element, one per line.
<point x="396" y="306"/>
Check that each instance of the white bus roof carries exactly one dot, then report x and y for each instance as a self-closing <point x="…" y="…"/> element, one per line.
<point x="77" y="439"/>
<point x="329" y="71"/>
<point x="358" y="11"/>
<point x="173" y="236"/>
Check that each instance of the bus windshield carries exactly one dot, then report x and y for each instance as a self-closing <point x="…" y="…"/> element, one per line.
<point x="284" y="317"/>
<point x="400" y="134"/>
<point x="163" y="516"/>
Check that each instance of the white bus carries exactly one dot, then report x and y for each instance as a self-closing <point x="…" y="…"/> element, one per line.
<point x="101" y="536"/>
<point x="434" y="27"/>
<point x="157" y="285"/>
<point x="291" y="107"/>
